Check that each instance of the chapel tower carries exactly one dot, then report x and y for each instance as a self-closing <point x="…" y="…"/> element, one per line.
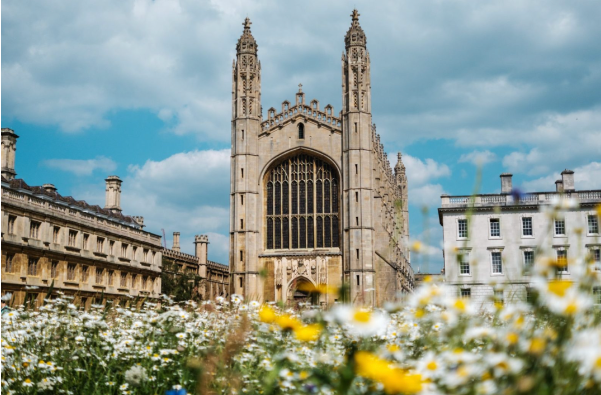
<point x="244" y="200"/>
<point x="358" y="194"/>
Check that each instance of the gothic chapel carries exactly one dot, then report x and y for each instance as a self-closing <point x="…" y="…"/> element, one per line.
<point x="313" y="198"/>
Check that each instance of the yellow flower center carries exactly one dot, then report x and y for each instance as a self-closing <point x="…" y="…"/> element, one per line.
<point x="559" y="287"/>
<point x="432" y="365"/>
<point x="362" y="316"/>
<point x="459" y="305"/>
<point x="512" y="338"/>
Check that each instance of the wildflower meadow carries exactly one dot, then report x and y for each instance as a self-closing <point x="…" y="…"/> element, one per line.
<point x="430" y="342"/>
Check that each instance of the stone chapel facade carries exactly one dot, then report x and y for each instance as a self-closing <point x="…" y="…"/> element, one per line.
<point x="313" y="198"/>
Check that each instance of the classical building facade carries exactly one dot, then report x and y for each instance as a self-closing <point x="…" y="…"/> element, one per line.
<point x="313" y="198"/>
<point x="214" y="277"/>
<point x="489" y="252"/>
<point x="50" y="240"/>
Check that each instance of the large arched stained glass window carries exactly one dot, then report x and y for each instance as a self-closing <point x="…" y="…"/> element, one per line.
<point x="302" y="204"/>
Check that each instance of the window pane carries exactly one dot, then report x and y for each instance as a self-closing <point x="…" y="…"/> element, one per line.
<point x="327" y="231"/>
<point x="269" y="198"/>
<point x="462" y="228"/>
<point x="319" y="197"/>
<point x="495" y="228"/>
<point x="303" y="198"/>
<point x="278" y="233"/>
<point x="497" y="264"/>
<point x="294" y="197"/>
<point x="527" y="226"/>
<point x="294" y="233"/>
<point x="319" y="232"/>
<point x="303" y="233"/>
<point x="285" y="234"/>
<point x="593" y="224"/>
<point x="278" y="198"/>
<point x="310" y="197"/>
<point x="326" y="196"/>
<point x="269" y="233"/>
<point x="310" y="233"/>
<point x="285" y="197"/>
<point x="335" y="232"/>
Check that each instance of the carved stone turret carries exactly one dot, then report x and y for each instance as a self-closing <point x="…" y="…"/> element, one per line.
<point x="113" y="193"/>
<point x="9" y="148"/>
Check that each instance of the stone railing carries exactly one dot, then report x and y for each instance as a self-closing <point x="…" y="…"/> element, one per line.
<point x="324" y="117"/>
<point x="76" y="214"/>
<point x="181" y="256"/>
<point x="526" y="199"/>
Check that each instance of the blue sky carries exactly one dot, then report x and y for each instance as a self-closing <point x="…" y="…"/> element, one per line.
<point x="142" y="89"/>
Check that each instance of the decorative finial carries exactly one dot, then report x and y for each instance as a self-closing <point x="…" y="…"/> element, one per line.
<point x="399" y="155"/>
<point x="355" y="15"/>
<point x="300" y="88"/>
<point x="247" y="23"/>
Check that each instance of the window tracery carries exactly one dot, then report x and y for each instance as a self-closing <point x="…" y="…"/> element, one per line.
<point x="302" y="204"/>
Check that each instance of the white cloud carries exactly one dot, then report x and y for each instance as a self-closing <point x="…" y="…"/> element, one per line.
<point x="81" y="167"/>
<point x="426" y="195"/>
<point x="419" y="172"/>
<point x="479" y="158"/>
<point x="186" y="192"/>
<point x="586" y="177"/>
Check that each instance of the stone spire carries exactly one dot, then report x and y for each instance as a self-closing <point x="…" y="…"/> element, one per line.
<point x="355" y="35"/>
<point x="247" y="43"/>
<point x="400" y="166"/>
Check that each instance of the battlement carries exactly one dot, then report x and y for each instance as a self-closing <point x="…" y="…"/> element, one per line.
<point x="323" y="118"/>
<point x="201" y="239"/>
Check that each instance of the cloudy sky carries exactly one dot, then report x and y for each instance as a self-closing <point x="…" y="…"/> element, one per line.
<point x="142" y="89"/>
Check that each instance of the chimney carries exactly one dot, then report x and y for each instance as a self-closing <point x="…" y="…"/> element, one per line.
<point x="567" y="178"/>
<point x="176" y="241"/>
<point x="201" y="251"/>
<point x="113" y="193"/>
<point x="139" y="220"/>
<point x="9" y="147"/>
<point x="559" y="186"/>
<point x="506" y="185"/>
<point x="50" y="188"/>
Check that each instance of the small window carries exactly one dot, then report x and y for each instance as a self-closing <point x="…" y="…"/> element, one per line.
<point x="99" y="276"/>
<point x="124" y="248"/>
<point x="495" y="227"/>
<point x="110" y="275"/>
<point x="562" y="261"/>
<point x="357" y="253"/>
<point x="241" y="224"/>
<point x="301" y="131"/>
<point x="560" y="227"/>
<point x="242" y="134"/>
<point x="134" y="252"/>
<point x="11" y="224"/>
<point x="357" y="221"/>
<point x="72" y="237"/>
<point x="242" y="172"/>
<point x="357" y="197"/>
<point x="123" y="280"/>
<point x="241" y="255"/>
<point x="526" y="226"/>
<point x="34" y="229"/>
<point x="32" y="267"/>
<point x="10" y="266"/>
<point x="593" y="224"/>
<point x="355" y="127"/>
<point x="356" y="169"/>
<point x="86" y="241"/>
<point x="242" y="200"/>
<point x="84" y="274"/>
<point x="528" y="260"/>
<point x="497" y="263"/>
<point x="144" y="282"/>
<point x="464" y="264"/>
<point x="111" y="247"/>
<point x="466" y="292"/>
<point x="99" y="244"/>
<point x="240" y="281"/>
<point x="462" y="228"/>
<point x="145" y="255"/>
<point x="71" y="267"/>
<point x="54" y="269"/>
<point x="358" y="280"/>
<point x="134" y="280"/>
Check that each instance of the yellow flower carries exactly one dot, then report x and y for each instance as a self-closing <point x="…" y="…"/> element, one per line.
<point x="362" y="316"/>
<point x="308" y="333"/>
<point x="537" y="346"/>
<point x="267" y="314"/>
<point x="286" y="321"/>
<point x="395" y="380"/>
<point x="512" y="338"/>
<point x="559" y="287"/>
<point x="460" y="305"/>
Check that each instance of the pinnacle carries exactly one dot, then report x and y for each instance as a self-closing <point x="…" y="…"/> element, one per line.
<point x="355" y="15"/>
<point x="247" y="23"/>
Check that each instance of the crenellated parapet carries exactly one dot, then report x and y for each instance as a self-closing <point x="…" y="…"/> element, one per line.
<point x="277" y="120"/>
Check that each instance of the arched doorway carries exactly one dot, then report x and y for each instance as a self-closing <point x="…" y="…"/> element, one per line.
<point x="300" y="290"/>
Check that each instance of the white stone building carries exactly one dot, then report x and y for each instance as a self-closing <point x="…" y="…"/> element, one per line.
<point x="492" y="239"/>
